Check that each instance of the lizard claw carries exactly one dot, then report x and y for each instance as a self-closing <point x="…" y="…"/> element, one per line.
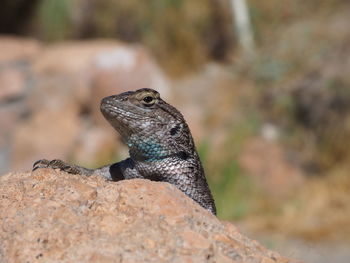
<point x="43" y="163"/>
<point x="54" y="164"/>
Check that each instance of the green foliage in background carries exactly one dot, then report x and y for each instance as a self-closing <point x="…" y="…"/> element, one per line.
<point x="234" y="192"/>
<point x="54" y="19"/>
<point x="181" y="34"/>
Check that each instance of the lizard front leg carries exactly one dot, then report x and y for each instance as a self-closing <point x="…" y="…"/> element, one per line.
<point x="115" y="172"/>
<point x="63" y="166"/>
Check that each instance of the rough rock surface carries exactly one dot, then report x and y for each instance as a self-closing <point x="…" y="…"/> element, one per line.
<point x="50" y="216"/>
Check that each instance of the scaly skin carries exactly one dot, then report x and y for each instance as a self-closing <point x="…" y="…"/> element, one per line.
<point x="160" y="145"/>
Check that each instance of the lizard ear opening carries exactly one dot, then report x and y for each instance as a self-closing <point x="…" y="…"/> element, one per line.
<point x="175" y="130"/>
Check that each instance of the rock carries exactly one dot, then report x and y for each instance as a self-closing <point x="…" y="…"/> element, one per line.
<point x="110" y="67"/>
<point x="52" y="216"/>
<point x="67" y="82"/>
<point x="12" y="83"/>
<point x="10" y="115"/>
<point x="70" y="57"/>
<point x="48" y="134"/>
<point x="17" y="49"/>
<point x="265" y="161"/>
<point x="205" y="102"/>
<point x="96" y="145"/>
<point x="123" y="68"/>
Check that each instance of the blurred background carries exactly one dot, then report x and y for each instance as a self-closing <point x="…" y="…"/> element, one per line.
<point x="264" y="86"/>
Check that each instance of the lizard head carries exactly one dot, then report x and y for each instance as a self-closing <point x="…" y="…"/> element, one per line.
<point x="150" y="127"/>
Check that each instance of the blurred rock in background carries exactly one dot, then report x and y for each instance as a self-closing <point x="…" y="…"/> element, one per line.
<point x="268" y="164"/>
<point x="51" y="93"/>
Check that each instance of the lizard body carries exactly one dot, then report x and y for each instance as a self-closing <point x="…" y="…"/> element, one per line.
<point x="160" y="145"/>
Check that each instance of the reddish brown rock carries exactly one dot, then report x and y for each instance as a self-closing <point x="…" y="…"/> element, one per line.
<point x="12" y="83"/>
<point x="96" y="145"/>
<point x="70" y="57"/>
<point x="109" y="67"/>
<point x="69" y="80"/>
<point x="14" y="49"/>
<point x="266" y="162"/>
<point x="123" y="68"/>
<point x="50" y="216"/>
<point x="49" y="134"/>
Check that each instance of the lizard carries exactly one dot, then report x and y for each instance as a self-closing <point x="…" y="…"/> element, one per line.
<point x="161" y="146"/>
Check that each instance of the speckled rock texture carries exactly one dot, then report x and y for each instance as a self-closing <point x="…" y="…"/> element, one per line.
<point x="50" y="216"/>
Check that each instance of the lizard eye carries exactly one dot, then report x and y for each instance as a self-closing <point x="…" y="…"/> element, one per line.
<point x="148" y="100"/>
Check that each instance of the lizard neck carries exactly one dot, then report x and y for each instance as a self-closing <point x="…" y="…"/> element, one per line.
<point x="146" y="150"/>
